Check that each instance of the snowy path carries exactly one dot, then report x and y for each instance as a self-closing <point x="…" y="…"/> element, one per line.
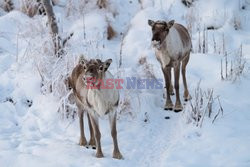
<point x="36" y="141"/>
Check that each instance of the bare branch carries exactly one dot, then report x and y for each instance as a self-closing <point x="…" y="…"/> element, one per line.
<point x="219" y="111"/>
<point x="68" y="38"/>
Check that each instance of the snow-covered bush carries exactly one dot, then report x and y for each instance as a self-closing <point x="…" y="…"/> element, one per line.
<point x="110" y="32"/>
<point x="202" y="105"/>
<point x="147" y="68"/>
<point x="7" y="5"/>
<point x="125" y="106"/>
<point x="233" y="65"/>
<point x="192" y="20"/>
<point x="29" y="7"/>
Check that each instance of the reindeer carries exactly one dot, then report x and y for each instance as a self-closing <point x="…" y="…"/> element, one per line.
<point x="97" y="102"/>
<point x="172" y="44"/>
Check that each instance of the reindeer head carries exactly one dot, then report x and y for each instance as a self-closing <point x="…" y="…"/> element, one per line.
<point x="94" y="70"/>
<point x="160" y="30"/>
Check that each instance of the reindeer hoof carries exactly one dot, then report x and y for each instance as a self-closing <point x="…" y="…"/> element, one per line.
<point x="168" y="106"/>
<point x="89" y="146"/>
<point x="187" y="98"/>
<point x="117" y="155"/>
<point x="92" y="144"/>
<point x="178" y="108"/>
<point x="82" y="142"/>
<point x="99" y="155"/>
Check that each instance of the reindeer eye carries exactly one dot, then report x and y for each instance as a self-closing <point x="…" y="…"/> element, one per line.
<point x="101" y="68"/>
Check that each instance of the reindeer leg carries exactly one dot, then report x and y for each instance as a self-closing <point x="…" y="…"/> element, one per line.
<point x="92" y="137"/>
<point x="171" y="85"/>
<point x="178" y="107"/>
<point x="95" y="124"/>
<point x="167" y="75"/>
<point x="82" y="141"/>
<point x="112" y="121"/>
<point x="183" y="71"/>
<point x="171" y="89"/>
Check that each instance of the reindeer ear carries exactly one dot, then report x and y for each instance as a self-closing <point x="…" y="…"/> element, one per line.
<point x="170" y="24"/>
<point x="98" y="60"/>
<point x="151" y="22"/>
<point x="106" y="64"/>
<point x="82" y="60"/>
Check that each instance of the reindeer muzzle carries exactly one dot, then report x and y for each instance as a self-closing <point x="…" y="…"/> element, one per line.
<point x="156" y="44"/>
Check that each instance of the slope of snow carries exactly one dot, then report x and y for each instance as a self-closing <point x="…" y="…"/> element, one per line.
<point x="33" y="133"/>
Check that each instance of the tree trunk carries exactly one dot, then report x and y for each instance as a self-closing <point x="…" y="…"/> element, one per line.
<point x="53" y="27"/>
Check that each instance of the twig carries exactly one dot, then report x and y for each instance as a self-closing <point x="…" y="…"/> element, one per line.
<point x="68" y="38"/>
<point x="39" y="71"/>
<point x="219" y="111"/>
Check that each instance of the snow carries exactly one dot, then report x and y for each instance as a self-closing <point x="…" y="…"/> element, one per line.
<point x="34" y="133"/>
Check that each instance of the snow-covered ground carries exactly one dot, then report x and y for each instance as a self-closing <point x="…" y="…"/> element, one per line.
<point x="34" y="133"/>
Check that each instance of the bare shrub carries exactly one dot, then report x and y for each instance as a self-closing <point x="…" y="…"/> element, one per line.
<point x="202" y="40"/>
<point x="110" y="32"/>
<point x="147" y="67"/>
<point x="8" y="5"/>
<point x="233" y="66"/>
<point x="102" y="3"/>
<point x="29" y="7"/>
<point x="62" y="88"/>
<point x="205" y="41"/>
<point x="80" y="7"/>
<point x="203" y="104"/>
<point x="52" y="70"/>
<point x="128" y="102"/>
<point x="67" y="107"/>
<point x="38" y="52"/>
<point x="73" y="7"/>
<point x="192" y="20"/>
<point x="125" y="105"/>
